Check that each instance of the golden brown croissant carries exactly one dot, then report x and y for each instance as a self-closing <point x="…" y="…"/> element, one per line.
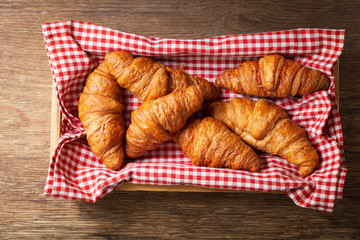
<point x="208" y="142"/>
<point x="100" y="111"/>
<point x="148" y="80"/>
<point x="155" y="121"/>
<point x="273" y="75"/>
<point x="267" y="127"/>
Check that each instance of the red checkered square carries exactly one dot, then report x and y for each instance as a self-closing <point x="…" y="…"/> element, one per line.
<point x="75" y="48"/>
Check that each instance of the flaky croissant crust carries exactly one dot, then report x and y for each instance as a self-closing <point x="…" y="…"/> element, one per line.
<point x="100" y="111"/>
<point x="267" y="127"/>
<point x="273" y="76"/>
<point x="155" y="121"/>
<point x="208" y="142"/>
<point x="149" y="80"/>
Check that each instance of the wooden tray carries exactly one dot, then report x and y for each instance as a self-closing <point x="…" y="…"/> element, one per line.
<point x="126" y="186"/>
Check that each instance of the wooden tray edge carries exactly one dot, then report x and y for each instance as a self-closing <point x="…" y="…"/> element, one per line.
<point x="56" y="122"/>
<point x="126" y="186"/>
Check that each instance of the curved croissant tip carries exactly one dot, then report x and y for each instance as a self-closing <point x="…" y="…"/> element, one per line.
<point x="117" y="55"/>
<point x="110" y="53"/>
<point x="114" y="164"/>
<point x="306" y="170"/>
<point x="255" y="166"/>
<point x="131" y="152"/>
<point x="110" y="58"/>
<point x="224" y="75"/>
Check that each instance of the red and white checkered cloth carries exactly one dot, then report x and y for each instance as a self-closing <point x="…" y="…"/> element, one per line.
<point x="75" y="48"/>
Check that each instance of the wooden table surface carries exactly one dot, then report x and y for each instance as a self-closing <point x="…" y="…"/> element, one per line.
<point x="25" y="104"/>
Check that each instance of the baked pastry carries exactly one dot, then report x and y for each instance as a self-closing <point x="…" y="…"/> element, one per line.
<point x="148" y="80"/>
<point x="155" y="121"/>
<point x="208" y="142"/>
<point x="273" y="76"/>
<point x="267" y="127"/>
<point x="100" y="111"/>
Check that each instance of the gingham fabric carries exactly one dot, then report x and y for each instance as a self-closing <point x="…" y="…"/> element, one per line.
<point x="75" y="48"/>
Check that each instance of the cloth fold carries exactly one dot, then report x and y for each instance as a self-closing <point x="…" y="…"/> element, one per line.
<point x="75" y="48"/>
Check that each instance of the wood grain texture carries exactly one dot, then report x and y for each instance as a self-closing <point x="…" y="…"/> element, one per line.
<point x="25" y="112"/>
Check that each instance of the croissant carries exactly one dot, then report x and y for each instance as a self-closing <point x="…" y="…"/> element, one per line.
<point x="208" y="142"/>
<point x="148" y="80"/>
<point x="100" y="111"/>
<point x="155" y="121"/>
<point x="274" y="76"/>
<point x="267" y="127"/>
